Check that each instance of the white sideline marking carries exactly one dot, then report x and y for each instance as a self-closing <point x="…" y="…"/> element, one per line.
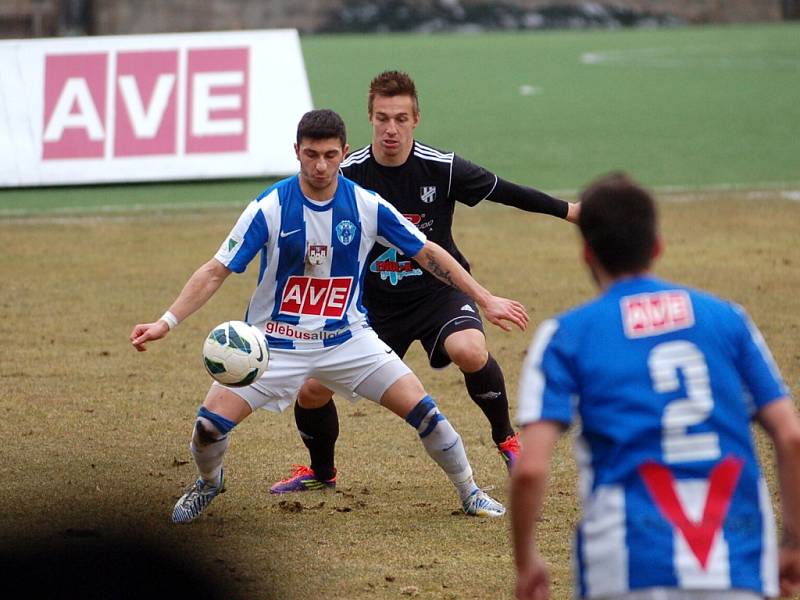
<point x="122" y="213"/>
<point x="688" y="56"/>
<point x="685" y="193"/>
<point x="117" y="208"/>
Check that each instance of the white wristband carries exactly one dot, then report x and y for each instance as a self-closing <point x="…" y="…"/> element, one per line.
<point x="170" y="319"/>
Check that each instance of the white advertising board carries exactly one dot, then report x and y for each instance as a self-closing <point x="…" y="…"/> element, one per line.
<point x="150" y="107"/>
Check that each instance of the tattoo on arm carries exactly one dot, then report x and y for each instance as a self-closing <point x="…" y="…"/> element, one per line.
<point x="438" y="271"/>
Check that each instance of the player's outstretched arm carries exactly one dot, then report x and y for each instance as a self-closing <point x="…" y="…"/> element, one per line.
<point x="198" y="289"/>
<point x="533" y="200"/>
<point x="528" y="485"/>
<point x="438" y="262"/>
<point x="781" y="421"/>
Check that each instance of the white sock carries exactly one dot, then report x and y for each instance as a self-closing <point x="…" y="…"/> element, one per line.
<point x="208" y="453"/>
<point x="443" y="444"/>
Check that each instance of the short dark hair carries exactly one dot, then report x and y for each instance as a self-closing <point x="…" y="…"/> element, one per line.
<point x="618" y="220"/>
<point x="392" y="83"/>
<point x="321" y="124"/>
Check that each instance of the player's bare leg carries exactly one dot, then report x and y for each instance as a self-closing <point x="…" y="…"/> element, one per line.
<point x="221" y="411"/>
<point x="485" y="385"/>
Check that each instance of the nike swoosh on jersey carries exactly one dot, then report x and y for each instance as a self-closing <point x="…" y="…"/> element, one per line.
<point x="285" y="233"/>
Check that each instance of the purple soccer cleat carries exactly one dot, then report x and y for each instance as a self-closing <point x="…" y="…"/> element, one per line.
<point x="302" y="479"/>
<point x="509" y="450"/>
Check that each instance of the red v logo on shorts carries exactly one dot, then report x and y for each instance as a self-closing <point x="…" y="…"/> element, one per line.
<point x="721" y="485"/>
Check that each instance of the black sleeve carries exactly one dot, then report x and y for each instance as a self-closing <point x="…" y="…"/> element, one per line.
<point x="527" y="199"/>
<point x="469" y="183"/>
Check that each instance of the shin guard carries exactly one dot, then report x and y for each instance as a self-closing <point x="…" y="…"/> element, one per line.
<point x="209" y="443"/>
<point x="441" y="441"/>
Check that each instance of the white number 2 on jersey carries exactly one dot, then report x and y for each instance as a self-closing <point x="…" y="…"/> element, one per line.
<point x="665" y="362"/>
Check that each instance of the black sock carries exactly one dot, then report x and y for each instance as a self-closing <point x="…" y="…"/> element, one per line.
<point x="319" y="428"/>
<point x="487" y="388"/>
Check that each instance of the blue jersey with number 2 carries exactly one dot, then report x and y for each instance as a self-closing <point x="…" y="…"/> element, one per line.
<point x="665" y="381"/>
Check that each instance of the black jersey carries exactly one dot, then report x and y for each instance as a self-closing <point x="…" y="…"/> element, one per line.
<point x="425" y="189"/>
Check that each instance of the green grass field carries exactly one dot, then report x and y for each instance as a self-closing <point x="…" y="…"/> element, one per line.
<point x="690" y="107"/>
<point x="677" y="107"/>
<point x="97" y="435"/>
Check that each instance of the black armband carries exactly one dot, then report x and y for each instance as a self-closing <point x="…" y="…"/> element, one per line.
<point x="528" y="199"/>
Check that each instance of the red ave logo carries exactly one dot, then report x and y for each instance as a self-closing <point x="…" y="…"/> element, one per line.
<point x="652" y="314"/>
<point x="316" y="296"/>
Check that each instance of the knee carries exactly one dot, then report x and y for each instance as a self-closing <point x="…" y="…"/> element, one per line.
<point x="313" y="394"/>
<point x="210" y="427"/>
<point x="403" y="395"/>
<point x="470" y="355"/>
<point x="424" y="416"/>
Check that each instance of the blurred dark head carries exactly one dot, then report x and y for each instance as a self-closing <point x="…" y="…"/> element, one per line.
<point x="618" y="221"/>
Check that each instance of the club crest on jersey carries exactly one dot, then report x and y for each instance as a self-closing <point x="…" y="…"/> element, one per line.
<point x="345" y="231"/>
<point x="392" y="269"/>
<point x="427" y="193"/>
<point x="644" y="315"/>
<point x="317" y="253"/>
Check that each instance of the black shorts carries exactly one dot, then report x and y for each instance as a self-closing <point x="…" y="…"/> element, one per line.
<point x="430" y="320"/>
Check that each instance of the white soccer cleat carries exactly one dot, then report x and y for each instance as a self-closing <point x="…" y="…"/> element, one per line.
<point x="194" y="501"/>
<point x="481" y="504"/>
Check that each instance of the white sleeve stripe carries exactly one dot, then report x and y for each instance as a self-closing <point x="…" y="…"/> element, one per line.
<point x="432" y="158"/>
<point x="532" y="384"/>
<point x="761" y="344"/>
<point x="489" y="193"/>
<point x="422" y="150"/>
<point x="357" y="157"/>
<point x="446" y="158"/>
<point x="450" y="180"/>
<point x="433" y="152"/>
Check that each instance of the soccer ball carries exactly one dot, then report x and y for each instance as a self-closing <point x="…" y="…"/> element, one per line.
<point x="235" y="353"/>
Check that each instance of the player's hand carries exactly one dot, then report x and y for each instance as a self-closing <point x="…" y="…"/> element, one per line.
<point x="533" y="581"/>
<point x="499" y="310"/>
<point x="145" y="332"/>
<point x="573" y="212"/>
<point x="789" y="570"/>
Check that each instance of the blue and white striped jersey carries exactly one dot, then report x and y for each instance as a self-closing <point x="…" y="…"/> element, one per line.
<point x="665" y="381"/>
<point x="313" y="258"/>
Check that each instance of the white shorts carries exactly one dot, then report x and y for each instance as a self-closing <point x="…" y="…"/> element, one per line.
<point x="660" y="593"/>
<point x="361" y="366"/>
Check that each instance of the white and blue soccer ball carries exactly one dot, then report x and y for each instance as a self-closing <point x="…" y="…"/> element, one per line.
<point x="235" y="353"/>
